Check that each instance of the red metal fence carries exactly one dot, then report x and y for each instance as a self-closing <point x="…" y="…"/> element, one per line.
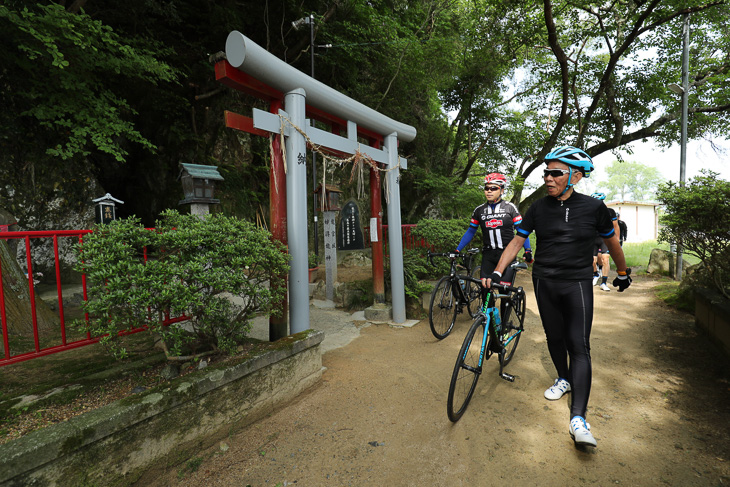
<point x="63" y="338"/>
<point x="409" y="240"/>
<point x="15" y="349"/>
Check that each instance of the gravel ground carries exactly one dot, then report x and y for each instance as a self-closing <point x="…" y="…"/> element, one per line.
<point x="659" y="409"/>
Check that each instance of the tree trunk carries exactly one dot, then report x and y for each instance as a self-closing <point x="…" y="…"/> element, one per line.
<point x="525" y="204"/>
<point x="17" y="299"/>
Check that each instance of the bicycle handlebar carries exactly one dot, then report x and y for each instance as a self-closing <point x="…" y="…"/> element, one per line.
<point x="450" y="255"/>
<point x="504" y="287"/>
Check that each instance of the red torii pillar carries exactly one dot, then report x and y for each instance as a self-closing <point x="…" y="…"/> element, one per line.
<point x="376" y="213"/>
<point x="229" y="76"/>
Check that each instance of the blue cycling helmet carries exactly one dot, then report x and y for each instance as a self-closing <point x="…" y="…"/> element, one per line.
<point x="573" y="157"/>
<point x="599" y="196"/>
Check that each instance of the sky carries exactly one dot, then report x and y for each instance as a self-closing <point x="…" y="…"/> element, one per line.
<point x="700" y="154"/>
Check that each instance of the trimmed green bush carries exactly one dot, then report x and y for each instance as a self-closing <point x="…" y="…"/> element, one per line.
<point x="215" y="271"/>
<point x="444" y="235"/>
<point x="696" y="215"/>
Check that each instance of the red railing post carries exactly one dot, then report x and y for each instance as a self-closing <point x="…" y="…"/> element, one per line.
<point x="3" y="317"/>
<point x="31" y="288"/>
<point x="86" y="294"/>
<point x="59" y="289"/>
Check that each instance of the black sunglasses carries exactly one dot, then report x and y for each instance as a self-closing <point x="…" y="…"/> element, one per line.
<point x="492" y="188"/>
<point x="555" y="173"/>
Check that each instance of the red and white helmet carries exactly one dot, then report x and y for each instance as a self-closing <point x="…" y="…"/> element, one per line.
<point x="496" y="179"/>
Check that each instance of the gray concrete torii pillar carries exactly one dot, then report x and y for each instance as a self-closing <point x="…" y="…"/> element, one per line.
<point x="296" y="211"/>
<point x="395" y="239"/>
<point x="301" y="90"/>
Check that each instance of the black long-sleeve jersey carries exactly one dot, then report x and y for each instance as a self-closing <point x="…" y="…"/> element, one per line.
<point x="565" y="231"/>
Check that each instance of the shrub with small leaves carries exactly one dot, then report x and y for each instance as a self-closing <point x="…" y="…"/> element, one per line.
<point x="696" y="215"/>
<point x="215" y="271"/>
<point x="444" y="235"/>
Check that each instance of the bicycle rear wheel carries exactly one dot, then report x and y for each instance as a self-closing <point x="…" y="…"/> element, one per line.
<point x="442" y="311"/>
<point x="512" y="329"/>
<point x="466" y="371"/>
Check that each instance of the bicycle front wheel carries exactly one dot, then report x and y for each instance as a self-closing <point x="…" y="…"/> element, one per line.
<point x="442" y="311"/>
<point x="466" y="370"/>
<point x="512" y="330"/>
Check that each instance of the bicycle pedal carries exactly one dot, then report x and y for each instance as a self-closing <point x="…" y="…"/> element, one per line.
<point x="507" y="377"/>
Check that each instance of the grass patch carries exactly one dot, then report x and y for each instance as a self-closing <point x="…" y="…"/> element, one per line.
<point x="44" y="373"/>
<point x="680" y="298"/>
<point x="360" y="295"/>
<point x="191" y="466"/>
<point x="637" y="254"/>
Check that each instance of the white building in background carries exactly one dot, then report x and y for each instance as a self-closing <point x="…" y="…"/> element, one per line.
<point x="642" y="219"/>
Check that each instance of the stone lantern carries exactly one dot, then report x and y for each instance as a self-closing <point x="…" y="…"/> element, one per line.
<point x="105" y="210"/>
<point x="331" y="198"/>
<point x="198" y="182"/>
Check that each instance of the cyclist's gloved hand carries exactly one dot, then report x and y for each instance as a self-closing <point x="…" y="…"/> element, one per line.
<point x="528" y="257"/>
<point x="492" y="278"/>
<point x="623" y="282"/>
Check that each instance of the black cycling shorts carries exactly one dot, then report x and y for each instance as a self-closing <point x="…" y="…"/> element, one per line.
<point x="599" y="247"/>
<point x="490" y="259"/>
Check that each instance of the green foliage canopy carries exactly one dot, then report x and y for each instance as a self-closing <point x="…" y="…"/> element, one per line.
<point x="64" y="93"/>
<point x="490" y="86"/>
<point x="631" y="178"/>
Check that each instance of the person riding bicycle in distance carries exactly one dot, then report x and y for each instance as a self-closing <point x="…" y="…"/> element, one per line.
<point x="498" y="220"/>
<point x="565" y="223"/>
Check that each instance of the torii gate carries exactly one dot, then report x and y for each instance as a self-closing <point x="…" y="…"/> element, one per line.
<point x="252" y="69"/>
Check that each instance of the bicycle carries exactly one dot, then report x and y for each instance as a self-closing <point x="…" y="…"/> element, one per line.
<point x="503" y="333"/>
<point x="452" y="293"/>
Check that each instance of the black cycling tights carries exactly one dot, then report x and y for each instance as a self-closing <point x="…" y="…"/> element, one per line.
<point x="566" y="311"/>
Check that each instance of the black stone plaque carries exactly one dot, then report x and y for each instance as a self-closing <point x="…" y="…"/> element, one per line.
<point x="349" y="232"/>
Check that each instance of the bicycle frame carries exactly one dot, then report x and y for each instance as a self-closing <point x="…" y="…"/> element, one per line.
<point x="493" y="320"/>
<point x="489" y="313"/>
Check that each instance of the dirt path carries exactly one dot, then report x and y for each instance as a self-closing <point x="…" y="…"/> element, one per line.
<point x="659" y="409"/>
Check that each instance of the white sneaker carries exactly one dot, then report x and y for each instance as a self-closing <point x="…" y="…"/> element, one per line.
<point x="557" y="390"/>
<point x="604" y="287"/>
<point x="580" y="431"/>
<point x="596" y="279"/>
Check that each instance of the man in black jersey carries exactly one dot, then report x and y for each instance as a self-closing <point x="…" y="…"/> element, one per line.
<point x="498" y="220"/>
<point x="565" y="224"/>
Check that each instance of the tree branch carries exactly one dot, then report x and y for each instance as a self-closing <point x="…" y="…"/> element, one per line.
<point x="562" y="59"/>
<point x="611" y="66"/>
